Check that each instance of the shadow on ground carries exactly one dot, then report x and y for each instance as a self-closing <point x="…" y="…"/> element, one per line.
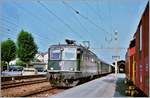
<point x="120" y="87"/>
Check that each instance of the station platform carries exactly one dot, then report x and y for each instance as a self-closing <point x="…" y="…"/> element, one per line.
<point x="107" y="86"/>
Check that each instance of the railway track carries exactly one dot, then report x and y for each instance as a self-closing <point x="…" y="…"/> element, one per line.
<point x="10" y="78"/>
<point x="16" y="84"/>
<point x="38" y="91"/>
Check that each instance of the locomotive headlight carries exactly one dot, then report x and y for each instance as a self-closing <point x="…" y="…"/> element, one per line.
<point x="71" y="69"/>
<point x="92" y="60"/>
<point x="51" y="68"/>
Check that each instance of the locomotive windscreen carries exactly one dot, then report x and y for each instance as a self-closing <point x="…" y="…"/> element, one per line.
<point x="55" y="54"/>
<point x="69" y="54"/>
<point x="64" y="58"/>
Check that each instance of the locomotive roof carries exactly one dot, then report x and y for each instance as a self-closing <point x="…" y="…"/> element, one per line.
<point x="69" y="45"/>
<point x="79" y="46"/>
<point x="73" y="45"/>
<point x="65" y="45"/>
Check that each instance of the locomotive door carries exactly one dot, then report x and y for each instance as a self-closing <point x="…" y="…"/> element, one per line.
<point x="79" y="55"/>
<point x="134" y="70"/>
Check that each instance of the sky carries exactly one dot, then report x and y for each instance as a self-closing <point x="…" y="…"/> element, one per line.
<point x="52" y="21"/>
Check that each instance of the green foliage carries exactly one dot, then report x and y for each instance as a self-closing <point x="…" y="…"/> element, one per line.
<point x="8" y="50"/>
<point x="3" y="63"/>
<point x="20" y="63"/>
<point x="27" y="48"/>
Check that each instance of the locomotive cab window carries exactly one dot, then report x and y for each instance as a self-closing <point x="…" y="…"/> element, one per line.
<point x="55" y="54"/>
<point x="69" y="54"/>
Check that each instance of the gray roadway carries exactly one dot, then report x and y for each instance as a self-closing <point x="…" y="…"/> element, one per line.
<point x="102" y="87"/>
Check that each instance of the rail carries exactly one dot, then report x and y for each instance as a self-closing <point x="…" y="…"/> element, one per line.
<point x="43" y="89"/>
<point x="10" y="78"/>
<point x="21" y="83"/>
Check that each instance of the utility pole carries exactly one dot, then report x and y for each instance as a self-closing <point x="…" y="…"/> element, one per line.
<point x="116" y="52"/>
<point x="86" y="44"/>
<point x="115" y="49"/>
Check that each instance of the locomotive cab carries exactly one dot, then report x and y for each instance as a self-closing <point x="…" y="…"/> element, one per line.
<point x="64" y="65"/>
<point x="64" y="59"/>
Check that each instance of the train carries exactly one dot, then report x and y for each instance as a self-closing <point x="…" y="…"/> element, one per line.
<point x="137" y="58"/>
<point x="69" y="64"/>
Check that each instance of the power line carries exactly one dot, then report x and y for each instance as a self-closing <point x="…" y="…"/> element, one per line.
<point x="80" y="23"/>
<point x="62" y="21"/>
<point x="8" y="25"/>
<point x="28" y="12"/>
<point x="86" y="18"/>
<point x="98" y="10"/>
<point x="38" y="18"/>
<point x="8" y="29"/>
<point x="88" y="5"/>
<point x="12" y="35"/>
<point x="106" y="39"/>
<point x="109" y="11"/>
<point x="99" y="16"/>
<point x="109" y="40"/>
<point x="6" y="20"/>
<point x="108" y="49"/>
<point x="2" y="27"/>
<point x="11" y="18"/>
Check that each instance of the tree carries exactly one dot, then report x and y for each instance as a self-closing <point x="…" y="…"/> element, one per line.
<point x="8" y="51"/>
<point x="20" y="63"/>
<point x="27" y="48"/>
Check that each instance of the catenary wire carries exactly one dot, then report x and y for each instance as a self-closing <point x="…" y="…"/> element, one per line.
<point x="58" y="18"/>
<point x="80" y="23"/>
